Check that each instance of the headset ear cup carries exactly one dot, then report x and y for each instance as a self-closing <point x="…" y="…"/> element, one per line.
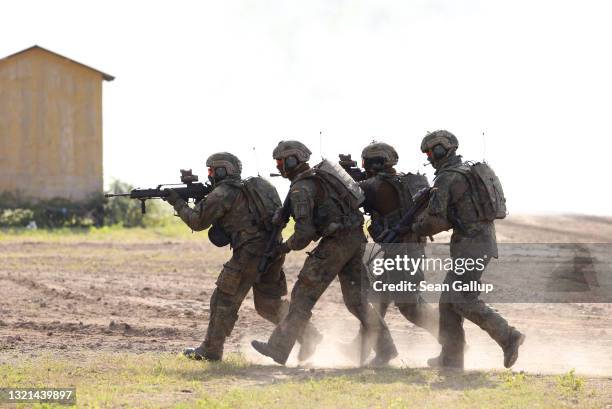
<point x="375" y="163"/>
<point x="291" y="162"/>
<point x="439" y="152"/>
<point x="220" y="173"/>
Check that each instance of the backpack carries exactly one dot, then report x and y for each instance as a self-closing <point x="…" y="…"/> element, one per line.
<point x="263" y="200"/>
<point x="341" y="183"/>
<point x="486" y="190"/>
<point x="407" y="185"/>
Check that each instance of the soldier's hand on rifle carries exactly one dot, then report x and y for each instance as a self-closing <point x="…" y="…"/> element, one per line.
<point x="278" y="251"/>
<point x="172" y="197"/>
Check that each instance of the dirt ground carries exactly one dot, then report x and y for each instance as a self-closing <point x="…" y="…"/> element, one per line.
<point x="71" y="296"/>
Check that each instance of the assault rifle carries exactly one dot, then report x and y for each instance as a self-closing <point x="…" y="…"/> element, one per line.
<point x="270" y="252"/>
<point x="351" y="167"/>
<point x="189" y="188"/>
<point x="420" y="201"/>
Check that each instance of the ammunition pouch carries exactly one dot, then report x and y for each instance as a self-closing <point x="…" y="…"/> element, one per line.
<point x="218" y="236"/>
<point x="230" y="278"/>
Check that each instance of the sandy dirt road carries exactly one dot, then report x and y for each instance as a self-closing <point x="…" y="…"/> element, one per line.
<point x="70" y="297"/>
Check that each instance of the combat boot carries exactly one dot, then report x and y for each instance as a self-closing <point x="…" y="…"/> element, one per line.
<point x="358" y="349"/>
<point x="308" y="346"/>
<point x="385" y="350"/>
<point x="450" y="357"/>
<point x="435" y="362"/>
<point x="265" y="349"/>
<point x="199" y="354"/>
<point x="511" y="349"/>
<point x="442" y="362"/>
<point x="383" y="358"/>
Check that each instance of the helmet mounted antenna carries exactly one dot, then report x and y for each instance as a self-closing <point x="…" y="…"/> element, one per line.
<point x="256" y="161"/>
<point x="427" y="163"/>
<point x="484" y="147"/>
<point x="321" y="144"/>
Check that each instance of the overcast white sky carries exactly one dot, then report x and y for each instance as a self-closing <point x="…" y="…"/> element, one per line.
<point x="198" y="77"/>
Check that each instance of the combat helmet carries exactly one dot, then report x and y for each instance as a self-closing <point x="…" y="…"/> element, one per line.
<point x="289" y="155"/>
<point x="440" y="137"/>
<point x="381" y="151"/>
<point x="284" y="149"/>
<point x="227" y="161"/>
<point x="439" y="146"/>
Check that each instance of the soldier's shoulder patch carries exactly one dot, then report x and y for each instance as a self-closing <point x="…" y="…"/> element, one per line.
<point x="299" y="201"/>
<point x="436" y="205"/>
<point x="301" y="209"/>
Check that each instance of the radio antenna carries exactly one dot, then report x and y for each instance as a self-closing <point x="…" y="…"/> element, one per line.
<point x="256" y="161"/>
<point x="321" y="144"/>
<point x="484" y="147"/>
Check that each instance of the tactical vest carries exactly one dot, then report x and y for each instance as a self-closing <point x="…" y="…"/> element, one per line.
<point x="336" y="207"/>
<point x="405" y="185"/>
<point x="486" y="191"/>
<point x="240" y="224"/>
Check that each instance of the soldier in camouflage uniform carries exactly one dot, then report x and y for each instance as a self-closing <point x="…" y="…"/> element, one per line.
<point x="452" y="206"/>
<point x="320" y="212"/>
<point x="227" y="210"/>
<point x="388" y="195"/>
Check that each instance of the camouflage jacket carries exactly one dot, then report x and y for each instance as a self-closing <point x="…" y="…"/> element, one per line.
<point x="315" y="211"/>
<point x="450" y="206"/>
<point x="227" y="207"/>
<point x="384" y="205"/>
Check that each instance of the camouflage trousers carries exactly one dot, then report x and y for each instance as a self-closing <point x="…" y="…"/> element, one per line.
<point x="457" y="305"/>
<point x="238" y="276"/>
<point x="341" y="256"/>
<point x="418" y="312"/>
<point x="411" y="305"/>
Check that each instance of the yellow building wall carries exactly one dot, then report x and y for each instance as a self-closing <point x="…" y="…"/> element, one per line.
<point x="50" y="127"/>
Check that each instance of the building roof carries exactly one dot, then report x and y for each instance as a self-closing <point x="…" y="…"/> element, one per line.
<point x="105" y="76"/>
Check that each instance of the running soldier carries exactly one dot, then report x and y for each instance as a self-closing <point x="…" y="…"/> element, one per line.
<point x="325" y="205"/>
<point x="240" y="213"/>
<point x="388" y="196"/>
<point x="467" y="198"/>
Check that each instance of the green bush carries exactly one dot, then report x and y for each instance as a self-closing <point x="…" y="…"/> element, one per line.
<point x="127" y="212"/>
<point x="16" y="217"/>
<point x="51" y="213"/>
<point x="97" y="211"/>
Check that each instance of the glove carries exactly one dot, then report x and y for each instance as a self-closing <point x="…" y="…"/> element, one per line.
<point x="172" y="197"/>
